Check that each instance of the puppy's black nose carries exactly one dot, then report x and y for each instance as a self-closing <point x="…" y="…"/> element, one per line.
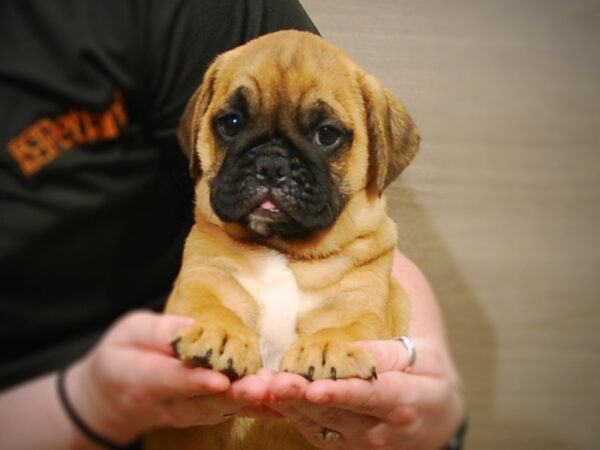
<point x="272" y="169"/>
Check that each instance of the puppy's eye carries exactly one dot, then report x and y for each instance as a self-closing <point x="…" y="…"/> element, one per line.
<point x="230" y="125"/>
<point x="327" y="136"/>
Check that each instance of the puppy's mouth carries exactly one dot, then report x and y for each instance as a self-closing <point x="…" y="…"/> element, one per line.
<point x="282" y="217"/>
<point x="270" y="211"/>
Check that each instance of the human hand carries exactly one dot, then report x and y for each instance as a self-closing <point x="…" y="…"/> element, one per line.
<point x="131" y="382"/>
<point x="420" y="410"/>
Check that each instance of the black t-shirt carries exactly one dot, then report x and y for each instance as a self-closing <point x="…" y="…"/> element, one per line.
<point x="95" y="197"/>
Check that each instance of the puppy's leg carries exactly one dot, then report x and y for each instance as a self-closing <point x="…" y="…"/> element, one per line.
<point x="331" y="352"/>
<point x="219" y="339"/>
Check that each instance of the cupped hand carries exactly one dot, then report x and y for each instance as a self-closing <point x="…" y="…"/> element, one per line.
<point x="420" y="410"/>
<point x="131" y="382"/>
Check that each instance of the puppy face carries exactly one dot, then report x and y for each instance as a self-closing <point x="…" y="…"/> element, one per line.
<point x="284" y="130"/>
<point x="276" y="170"/>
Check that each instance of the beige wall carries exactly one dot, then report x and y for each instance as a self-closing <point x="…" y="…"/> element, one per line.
<point x="501" y="208"/>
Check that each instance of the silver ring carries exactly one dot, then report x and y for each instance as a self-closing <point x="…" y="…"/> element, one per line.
<point x="412" y="352"/>
<point x="326" y="434"/>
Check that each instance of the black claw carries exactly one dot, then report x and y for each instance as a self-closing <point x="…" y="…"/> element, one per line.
<point x="175" y="346"/>
<point x="373" y="373"/>
<point x="229" y="371"/>
<point x="203" y="361"/>
<point x="334" y="373"/>
<point x="311" y="373"/>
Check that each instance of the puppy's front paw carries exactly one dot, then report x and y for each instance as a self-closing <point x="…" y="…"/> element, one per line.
<point x="327" y="354"/>
<point x="231" y="349"/>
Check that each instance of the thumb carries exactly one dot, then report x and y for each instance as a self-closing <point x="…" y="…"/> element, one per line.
<point x="392" y="355"/>
<point x="148" y="329"/>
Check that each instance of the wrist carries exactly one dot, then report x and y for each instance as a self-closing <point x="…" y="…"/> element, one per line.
<point x="457" y="413"/>
<point x="458" y="440"/>
<point x="62" y="425"/>
<point x="90" y="411"/>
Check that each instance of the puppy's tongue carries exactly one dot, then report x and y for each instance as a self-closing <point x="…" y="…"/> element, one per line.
<point x="268" y="205"/>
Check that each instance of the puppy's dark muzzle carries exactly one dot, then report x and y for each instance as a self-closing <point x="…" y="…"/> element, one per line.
<point x="271" y="189"/>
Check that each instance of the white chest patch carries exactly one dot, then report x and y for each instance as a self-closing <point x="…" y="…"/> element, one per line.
<point x="278" y="297"/>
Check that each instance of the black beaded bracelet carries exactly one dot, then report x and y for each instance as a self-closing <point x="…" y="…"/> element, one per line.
<point x="74" y="417"/>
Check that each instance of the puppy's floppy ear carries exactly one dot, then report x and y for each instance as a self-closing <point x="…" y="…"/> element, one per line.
<point x="393" y="136"/>
<point x="189" y="124"/>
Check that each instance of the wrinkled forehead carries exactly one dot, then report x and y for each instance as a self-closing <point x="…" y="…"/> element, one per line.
<point x="296" y="75"/>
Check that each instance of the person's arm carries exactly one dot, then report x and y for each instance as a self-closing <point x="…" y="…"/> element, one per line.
<point x="32" y="417"/>
<point x="420" y="410"/>
<point x="427" y="322"/>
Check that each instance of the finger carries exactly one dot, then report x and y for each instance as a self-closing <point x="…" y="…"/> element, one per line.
<point x="347" y="422"/>
<point x="393" y="397"/>
<point x="354" y="431"/>
<point x="148" y="330"/>
<point x="288" y="386"/>
<point x="266" y="374"/>
<point x="203" y="410"/>
<point x="392" y="355"/>
<point x="165" y="376"/>
<point x="311" y="430"/>
<point x="244" y="397"/>
<point x="259" y="411"/>
<point x="249" y="390"/>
